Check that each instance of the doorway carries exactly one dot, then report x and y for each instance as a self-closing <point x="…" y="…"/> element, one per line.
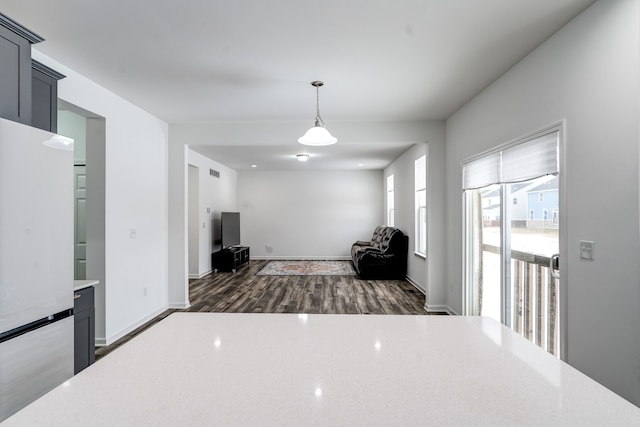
<point x="89" y="133"/>
<point x="512" y="238"/>
<point x="80" y="225"/>
<point x="193" y="221"/>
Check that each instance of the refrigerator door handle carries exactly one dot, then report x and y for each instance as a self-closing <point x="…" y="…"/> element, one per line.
<point x="36" y="324"/>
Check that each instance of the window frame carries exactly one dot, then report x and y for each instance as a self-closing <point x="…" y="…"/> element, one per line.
<point x="420" y="206"/>
<point x="390" y="200"/>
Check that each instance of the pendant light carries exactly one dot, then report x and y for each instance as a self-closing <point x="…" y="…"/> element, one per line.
<point x="317" y="135"/>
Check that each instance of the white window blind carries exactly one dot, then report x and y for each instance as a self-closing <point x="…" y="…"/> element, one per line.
<point x="522" y="162"/>
<point x="481" y="172"/>
<point x="531" y="159"/>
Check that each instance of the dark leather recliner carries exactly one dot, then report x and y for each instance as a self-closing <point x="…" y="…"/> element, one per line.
<point x="383" y="257"/>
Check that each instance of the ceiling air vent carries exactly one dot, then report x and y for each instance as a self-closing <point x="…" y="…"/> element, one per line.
<point x="214" y="173"/>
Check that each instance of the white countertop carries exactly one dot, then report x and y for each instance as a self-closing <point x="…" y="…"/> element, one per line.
<point x="287" y="369"/>
<point x="81" y="284"/>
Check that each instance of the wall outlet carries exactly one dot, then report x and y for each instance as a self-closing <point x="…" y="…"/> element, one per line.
<point x="144" y="291"/>
<point x="132" y="233"/>
<point x="586" y="249"/>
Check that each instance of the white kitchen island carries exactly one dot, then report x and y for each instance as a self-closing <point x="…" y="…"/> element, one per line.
<point x="196" y="369"/>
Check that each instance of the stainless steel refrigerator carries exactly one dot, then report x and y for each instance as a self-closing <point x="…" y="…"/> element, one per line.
<point x="36" y="264"/>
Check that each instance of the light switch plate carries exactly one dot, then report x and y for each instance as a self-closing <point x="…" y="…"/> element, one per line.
<point x="586" y="249"/>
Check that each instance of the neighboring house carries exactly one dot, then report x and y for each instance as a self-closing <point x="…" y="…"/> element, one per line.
<point x="518" y="198"/>
<point x="490" y="206"/>
<point x="543" y="205"/>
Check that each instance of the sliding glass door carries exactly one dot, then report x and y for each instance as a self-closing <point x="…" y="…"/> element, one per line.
<point x="483" y="242"/>
<point x="511" y="214"/>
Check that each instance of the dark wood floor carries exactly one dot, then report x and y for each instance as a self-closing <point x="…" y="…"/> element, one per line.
<point x="244" y="292"/>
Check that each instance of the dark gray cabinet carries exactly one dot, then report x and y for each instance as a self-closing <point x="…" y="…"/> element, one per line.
<point x="15" y="70"/>
<point x="230" y="259"/>
<point x="84" y="328"/>
<point x="44" y="96"/>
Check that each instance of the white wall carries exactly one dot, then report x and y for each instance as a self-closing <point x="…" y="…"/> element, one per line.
<point x="403" y="171"/>
<point x="586" y="75"/>
<point x="307" y="215"/>
<point x="429" y="276"/>
<point x="136" y="199"/>
<point x="215" y="195"/>
<point x="436" y="299"/>
<point x="193" y="208"/>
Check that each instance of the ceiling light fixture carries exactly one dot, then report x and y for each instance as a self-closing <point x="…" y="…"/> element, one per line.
<point x="317" y="135"/>
<point x="302" y="157"/>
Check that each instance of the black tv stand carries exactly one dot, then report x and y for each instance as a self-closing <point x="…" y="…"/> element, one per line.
<point x="229" y="259"/>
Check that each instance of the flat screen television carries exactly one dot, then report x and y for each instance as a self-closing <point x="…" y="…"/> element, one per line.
<point x="230" y="229"/>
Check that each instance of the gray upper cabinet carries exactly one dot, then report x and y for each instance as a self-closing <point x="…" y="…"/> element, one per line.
<point x="15" y="70"/>
<point x="28" y="89"/>
<point x="44" y="96"/>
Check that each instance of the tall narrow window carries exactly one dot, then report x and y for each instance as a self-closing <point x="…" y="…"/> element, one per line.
<point x="390" y="201"/>
<point x="421" y="205"/>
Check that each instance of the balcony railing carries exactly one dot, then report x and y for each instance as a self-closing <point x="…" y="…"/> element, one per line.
<point x="533" y="296"/>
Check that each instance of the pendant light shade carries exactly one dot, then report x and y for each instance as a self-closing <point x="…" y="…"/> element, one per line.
<point x="317" y="135"/>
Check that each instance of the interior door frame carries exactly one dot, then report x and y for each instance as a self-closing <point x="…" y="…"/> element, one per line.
<point x="563" y="249"/>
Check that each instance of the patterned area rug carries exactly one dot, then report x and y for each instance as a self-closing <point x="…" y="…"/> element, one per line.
<point x="307" y="268"/>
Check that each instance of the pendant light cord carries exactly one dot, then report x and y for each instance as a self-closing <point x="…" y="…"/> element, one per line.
<point x="319" y="121"/>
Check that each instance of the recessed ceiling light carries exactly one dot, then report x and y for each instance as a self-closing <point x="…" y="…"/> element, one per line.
<point x="302" y="157"/>
<point x="360" y="164"/>
<point x="254" y="166"/>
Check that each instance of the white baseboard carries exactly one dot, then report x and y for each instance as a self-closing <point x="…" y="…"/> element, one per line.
<point x="415" y="285"/>
<point x="301" y="258"/>
<point x="439" y="308"/>
<point x="182" y="305"/>
<point x="199" y="276"/>
<point x="102" y="342"/>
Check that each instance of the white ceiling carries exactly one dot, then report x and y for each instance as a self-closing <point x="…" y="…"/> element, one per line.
<point x="283" y="157"/>
<point x="201" y="61"/>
